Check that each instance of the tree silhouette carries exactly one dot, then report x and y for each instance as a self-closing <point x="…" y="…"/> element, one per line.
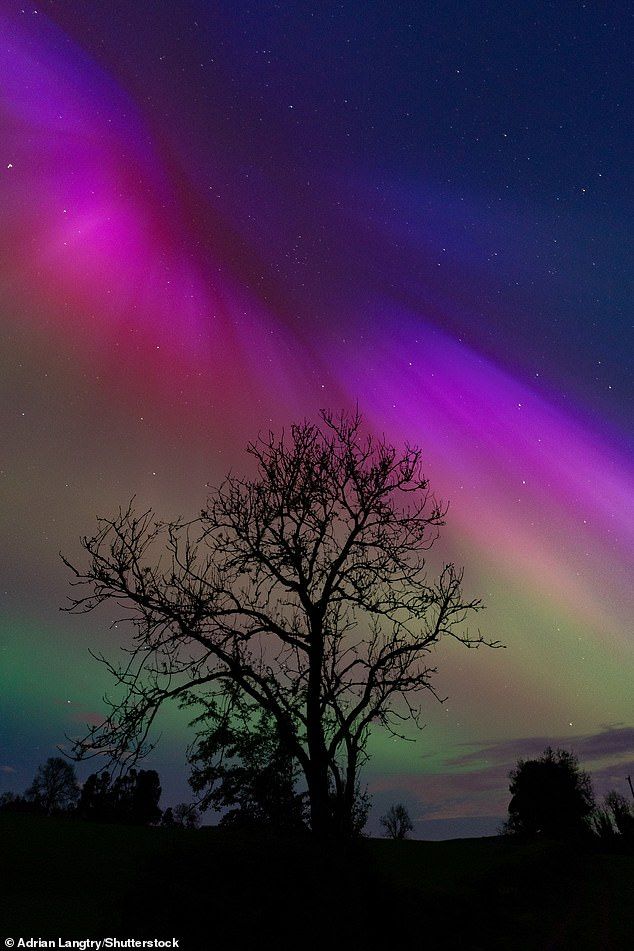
<point x="96" y="798"/>
<point x="240" y="764"/>
<point x="550" y="796"/>
<point x="186" y="816"/>
<point x="304" y="589"/>
<point x="615" y="818"/>
<point x="131" y="798"/>
<point x="10" y="802"/>
<point x="145" y="798"/>
<point x="54" y="787"/>
<point x="397" y="822"/>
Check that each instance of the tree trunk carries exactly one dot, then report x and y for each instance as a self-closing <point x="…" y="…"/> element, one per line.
<point x="349" y="794"/>
<point x="320" y="813"/>
<point x="317" y="775"/>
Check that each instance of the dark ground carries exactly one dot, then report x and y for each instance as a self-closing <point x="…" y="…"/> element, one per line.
<point x="214" y="889"/>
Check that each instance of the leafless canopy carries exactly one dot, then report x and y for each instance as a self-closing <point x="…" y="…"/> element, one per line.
<point x="305" y="589"/>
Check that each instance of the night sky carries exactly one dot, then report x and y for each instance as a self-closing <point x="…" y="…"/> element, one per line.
<point x="219" y="217"/>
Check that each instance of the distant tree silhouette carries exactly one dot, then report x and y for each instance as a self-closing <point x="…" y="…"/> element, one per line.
<point x="54" y="787"/>
<point x="550" y="796"/>
<point x="146" y="795"/>
<point x="616" y="817"/>
<point x="96" y="798"/>
<point x="10" y="802"/>
<point x="131" y="798"/>
<point x="397" y="822"/>
<point x="602" y="824"/>
<point x="186" y="816"/>
<point x="305" y="589"/>
<point x="122" y="796"/>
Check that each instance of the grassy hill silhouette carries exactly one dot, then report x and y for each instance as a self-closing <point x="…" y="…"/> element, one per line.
<point x="69" y="879"/>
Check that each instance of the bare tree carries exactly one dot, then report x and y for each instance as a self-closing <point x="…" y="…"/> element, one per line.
<point x="303" y="590"/>
<point x="54" y="787"/>
<point x="397" y="822"/>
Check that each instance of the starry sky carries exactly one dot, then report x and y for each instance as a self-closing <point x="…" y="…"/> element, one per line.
<point x="219" y="217"/>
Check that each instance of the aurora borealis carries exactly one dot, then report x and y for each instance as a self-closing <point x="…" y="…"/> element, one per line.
<point x="220" y="217"/>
